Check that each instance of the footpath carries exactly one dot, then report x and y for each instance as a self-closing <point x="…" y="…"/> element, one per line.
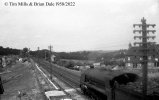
<point x="21" y="82"/>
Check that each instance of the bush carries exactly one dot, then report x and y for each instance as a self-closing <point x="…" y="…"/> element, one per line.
<point x="70" y="65"/>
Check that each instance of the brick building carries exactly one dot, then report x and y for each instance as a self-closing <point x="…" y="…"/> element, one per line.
<point x="133" y="56"/>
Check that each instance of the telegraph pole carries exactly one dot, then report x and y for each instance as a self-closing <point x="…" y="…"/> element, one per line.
<point x="50" y="48"/>
<point x="38" y="54"/>
<point x="144" y="45"/>
<point x="29" y="54"/>
<point x="45" y="55"/>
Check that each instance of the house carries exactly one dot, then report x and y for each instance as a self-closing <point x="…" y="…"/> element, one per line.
<point x="4" y="61"/>
<point x="96" y="64"/>
<point x="53" y="58"/>
<point x="134" y="57"/>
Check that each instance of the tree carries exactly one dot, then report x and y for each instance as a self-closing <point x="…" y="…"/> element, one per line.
<point x="25" y="52"/>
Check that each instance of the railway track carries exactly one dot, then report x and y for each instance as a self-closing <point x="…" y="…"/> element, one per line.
<point x="74" y="79"/>
<point x="71" y="82"/>
<point x="70" y="79"/>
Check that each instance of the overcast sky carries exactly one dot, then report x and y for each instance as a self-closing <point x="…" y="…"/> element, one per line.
<point x="89" y="25"/>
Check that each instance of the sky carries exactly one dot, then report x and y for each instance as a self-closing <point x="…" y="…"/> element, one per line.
<point x="89" y="25"/>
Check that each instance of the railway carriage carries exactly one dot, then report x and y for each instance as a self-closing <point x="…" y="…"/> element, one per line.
<point x="111" y="85"/>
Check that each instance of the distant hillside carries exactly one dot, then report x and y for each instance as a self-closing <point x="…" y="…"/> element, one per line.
<point x="96" y="55"/>
<point x="80" y="55"/>
<point x="103" y="51"/>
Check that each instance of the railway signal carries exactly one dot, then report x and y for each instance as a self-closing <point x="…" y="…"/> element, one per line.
<point x="144" y="45"/>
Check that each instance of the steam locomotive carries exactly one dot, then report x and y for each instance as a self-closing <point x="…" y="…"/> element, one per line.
<point x="111" y="85"/>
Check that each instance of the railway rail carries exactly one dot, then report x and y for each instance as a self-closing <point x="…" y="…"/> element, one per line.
<point x="62" y="74"/>
<point x="70" y="79"/>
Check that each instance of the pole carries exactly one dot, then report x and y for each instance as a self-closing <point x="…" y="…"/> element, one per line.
<point x="144" y="47"/>
<point x="29" y="53"/>
<point x="38" y="54"/>
<point x="45" y="55"/>
<point x="144" y="67"/>
<point x="50" y="48"/>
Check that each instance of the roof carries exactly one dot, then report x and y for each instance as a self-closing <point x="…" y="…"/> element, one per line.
<point x="137" y="50"/>
<point x="111" y="76"/>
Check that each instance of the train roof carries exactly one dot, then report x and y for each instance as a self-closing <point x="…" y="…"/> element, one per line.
<point x="111" y="75"/>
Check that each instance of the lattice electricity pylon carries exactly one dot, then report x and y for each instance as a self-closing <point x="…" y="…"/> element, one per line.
<point x="144" y="46"/>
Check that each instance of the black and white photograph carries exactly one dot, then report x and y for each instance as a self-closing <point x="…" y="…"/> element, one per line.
<point x="79" y="49"/>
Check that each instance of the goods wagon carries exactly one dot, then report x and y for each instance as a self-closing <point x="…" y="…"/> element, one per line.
<point x="113" y="85"/>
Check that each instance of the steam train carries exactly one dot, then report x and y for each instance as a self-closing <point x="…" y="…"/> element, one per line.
<point x="111" y="85"/>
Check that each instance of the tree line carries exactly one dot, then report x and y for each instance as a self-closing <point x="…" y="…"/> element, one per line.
<point x="107" y="58"/>
<point x="8" y="51"/>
